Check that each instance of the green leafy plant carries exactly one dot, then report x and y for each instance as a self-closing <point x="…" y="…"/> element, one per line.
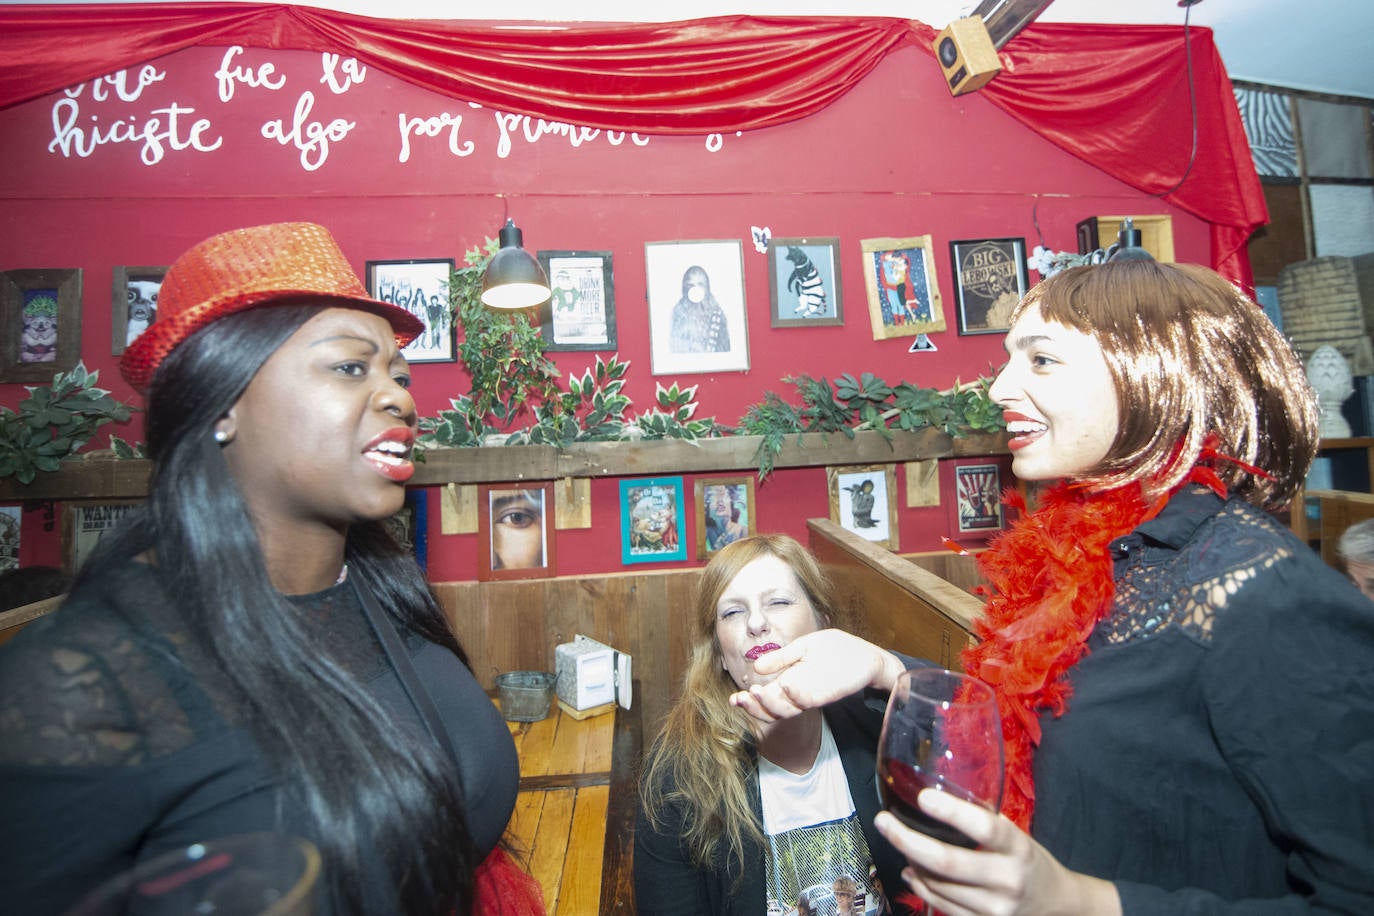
<point x="866" y="402"/>
<point x="672" y="419"/>
<point x="502" y="351"/>
<point x="592" y="409"/>
<point x="54" y="422"/>
<point x="513" y="379"/>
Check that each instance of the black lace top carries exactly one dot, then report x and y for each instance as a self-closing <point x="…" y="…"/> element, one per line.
<point x="1219" y="743"/>
<point x="118" y="742"/>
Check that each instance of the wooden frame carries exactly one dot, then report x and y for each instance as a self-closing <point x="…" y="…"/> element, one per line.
<point x="84" y="523"/>
<point x="903" y="294"/>
<point x="804" y="282"/>
<point x="421" y="287"/>
<point x="40" y="323"/>
<point x="973" y="493"/>
<point x="515" y="531"/>
<point x="652" y="521"/>
<point x="863" y="500"/>
<point x="410" y="525"/>
<point x="687" y="337"/>
<point x="580" y="312"/>
<point x="990" y="277"/>
<point x="133" y="303"/>
<point x="728" y="500"/>
<point x="11" y="520"/>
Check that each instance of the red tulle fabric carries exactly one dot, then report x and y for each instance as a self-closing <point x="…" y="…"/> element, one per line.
<point x="1118" y="97"/>
<point x="1050" y="578"/>
<point x="503" y="888"/>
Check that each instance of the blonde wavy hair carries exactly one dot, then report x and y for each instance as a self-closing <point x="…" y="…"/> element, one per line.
<point x="1189" y="355"/>
<point x="704" y="754"/>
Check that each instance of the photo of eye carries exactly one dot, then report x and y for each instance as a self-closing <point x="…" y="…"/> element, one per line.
<point x="515" y="525"/>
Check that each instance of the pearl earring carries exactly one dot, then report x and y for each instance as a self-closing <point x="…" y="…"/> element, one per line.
<point x="221" y="436"/>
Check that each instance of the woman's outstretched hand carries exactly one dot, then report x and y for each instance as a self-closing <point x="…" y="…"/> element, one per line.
<point x="814" y="670"/>
<point x="1009" y="873"/>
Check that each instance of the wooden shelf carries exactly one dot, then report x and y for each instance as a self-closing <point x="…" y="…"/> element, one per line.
<point x="111" y="478"/>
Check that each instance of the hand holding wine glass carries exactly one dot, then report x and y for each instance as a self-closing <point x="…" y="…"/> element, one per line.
<point x="941" y="731"/>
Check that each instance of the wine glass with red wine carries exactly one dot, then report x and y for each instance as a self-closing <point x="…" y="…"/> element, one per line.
<point x="941" y="731"/>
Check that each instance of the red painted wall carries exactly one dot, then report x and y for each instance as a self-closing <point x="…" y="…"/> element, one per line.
<point x="199" y="152"/>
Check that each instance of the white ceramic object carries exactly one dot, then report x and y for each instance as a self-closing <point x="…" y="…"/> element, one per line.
<point x="1330" y="376"/>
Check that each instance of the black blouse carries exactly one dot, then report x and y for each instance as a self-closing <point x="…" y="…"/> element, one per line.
<point x="113" y="752"/>
<point x="1217" y="755"/>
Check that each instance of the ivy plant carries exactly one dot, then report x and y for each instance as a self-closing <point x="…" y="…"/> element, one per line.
<point x="54" y="422"/>
<point x="502" y="351"/>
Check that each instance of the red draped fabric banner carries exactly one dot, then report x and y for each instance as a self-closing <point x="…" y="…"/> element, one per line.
<point x="1117" y="97"/>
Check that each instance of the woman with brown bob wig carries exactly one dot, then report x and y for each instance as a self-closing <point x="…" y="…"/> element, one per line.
<point x="761" y="784"/>
<point x="1187" y="691"/>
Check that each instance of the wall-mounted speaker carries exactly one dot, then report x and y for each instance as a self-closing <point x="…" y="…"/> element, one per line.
<point x="966" y="55"/>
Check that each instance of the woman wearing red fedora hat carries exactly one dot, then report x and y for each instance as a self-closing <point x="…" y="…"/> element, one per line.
<point x="251" y="651"/>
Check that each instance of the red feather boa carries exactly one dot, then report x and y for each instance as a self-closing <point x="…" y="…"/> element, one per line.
<point x="503" y="888"/>
<point x="1050" y="577"/>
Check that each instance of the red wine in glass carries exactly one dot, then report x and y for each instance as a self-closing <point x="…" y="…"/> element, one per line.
<point x="942" y="730"/>
<point x="898" y="785"/>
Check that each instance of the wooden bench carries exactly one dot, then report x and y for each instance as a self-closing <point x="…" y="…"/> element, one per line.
<point x="15" y="619"/>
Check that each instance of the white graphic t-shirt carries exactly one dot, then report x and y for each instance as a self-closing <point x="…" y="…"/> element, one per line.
<point x="818" y="861"/>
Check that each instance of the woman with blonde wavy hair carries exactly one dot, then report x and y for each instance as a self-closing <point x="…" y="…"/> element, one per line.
<point x="761" y="783"/>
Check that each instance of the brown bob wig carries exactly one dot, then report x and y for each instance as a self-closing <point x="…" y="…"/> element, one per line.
<point x="1189" y="355"/>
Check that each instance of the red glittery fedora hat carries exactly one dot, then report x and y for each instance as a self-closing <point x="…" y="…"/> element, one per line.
<point x="247" y="268"/>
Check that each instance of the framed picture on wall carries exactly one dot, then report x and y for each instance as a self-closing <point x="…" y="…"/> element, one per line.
<point x="10" y="517"/>
<point x="410" y="525"/>
<point x="696" y="307"/>
<point x="133" y="303"/>
<point x="40" y="323"/>
<point x="974" y="497"/>
<point x="725" y="512"/>
<point x="83" y="525"/>
<point x="652" y="522"/>
<point x="903" y="295"/>
<point x="421" y="287"/>
<point x="804" y="282"/>
<point x="990" y="277"/>
<point x="580" y="313"/>
<point x="515" y="531"/>
<point x="863" y="499"/>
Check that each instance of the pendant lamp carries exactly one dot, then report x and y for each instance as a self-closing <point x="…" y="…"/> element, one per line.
<point x="513" y="279"/>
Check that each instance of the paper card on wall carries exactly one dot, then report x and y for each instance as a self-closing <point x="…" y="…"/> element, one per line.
<point x="458" y="509"/>
<point x="922" y="483"/>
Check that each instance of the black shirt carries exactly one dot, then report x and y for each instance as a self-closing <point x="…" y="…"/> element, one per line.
<point x="1217" y="755"/>
<point x="112" y="751"/>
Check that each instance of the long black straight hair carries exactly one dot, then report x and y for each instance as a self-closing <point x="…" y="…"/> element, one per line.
<point x="362" y="782"/>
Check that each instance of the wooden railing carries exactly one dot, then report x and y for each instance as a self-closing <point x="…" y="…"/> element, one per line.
<point x="897" y="604"/>
<point x="15" y="619"/>
<point x="110" y="478"/>
<point x="1339" y="509"/>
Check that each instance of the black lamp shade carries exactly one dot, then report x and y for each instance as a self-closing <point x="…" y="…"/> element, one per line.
<point x="513" y="279"/>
